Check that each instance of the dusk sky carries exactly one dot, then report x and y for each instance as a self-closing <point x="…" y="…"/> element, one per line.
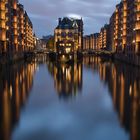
<point x="45" y="13"/>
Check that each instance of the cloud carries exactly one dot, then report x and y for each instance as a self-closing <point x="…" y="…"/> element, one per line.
<point x="74" y="15"/>
<point x="44" y="13"/>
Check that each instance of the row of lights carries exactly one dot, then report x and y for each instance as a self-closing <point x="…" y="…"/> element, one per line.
<point x="68" y="44"/>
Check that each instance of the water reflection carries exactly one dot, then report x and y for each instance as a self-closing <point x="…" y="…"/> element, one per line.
<point x="15" y="84"/>
<point x="123" y="82"/>
<point x="67" y="78"/>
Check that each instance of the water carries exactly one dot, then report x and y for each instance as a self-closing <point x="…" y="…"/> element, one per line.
<point x="96" y="100"/>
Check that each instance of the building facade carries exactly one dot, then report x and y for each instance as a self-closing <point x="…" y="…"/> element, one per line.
<point x="112" y="32"/>
<point x="86" y="43"/>
<point x="68" y="36"/>
<point x="3" y="12"/>
<point x="16" y="29"/>
<point x="104" y="37"/>
<point x="98" y="41"/>
<point x="125" y="27"/>
<point x="91" y="42"/>
<point x="29" y="35"/>
<point x="125" y="31"/>
<point x="122" y="35"/>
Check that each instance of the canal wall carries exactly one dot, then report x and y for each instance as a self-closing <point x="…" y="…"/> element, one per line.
<point x="64" y="58"/>
<point x="12" y="58"/>
<point x="5" y="58"/>
<point x="130" y="59"/>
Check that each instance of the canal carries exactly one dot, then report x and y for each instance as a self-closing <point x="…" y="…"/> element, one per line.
<point x="96" y="99"/>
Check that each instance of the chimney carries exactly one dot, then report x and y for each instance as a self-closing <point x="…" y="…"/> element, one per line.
<point x="59" y="21"/>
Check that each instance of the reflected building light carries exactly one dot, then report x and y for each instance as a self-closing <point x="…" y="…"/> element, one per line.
<point x="17" y="98"/>
<point x="115" y="87"/>
<point x="67" y="79"/>
<point x="23" y="92"/>
<point x="122" y="97"/>
<point x="14" y="94"/>
<point x="6" y="113"/>
<point x="63" y="68"/>
<point x="135" y="90"/>
<point x="11" y="91"/>
<point x="134" y="41"/>
<point x="130" y="90"/>
<point x="20" y="78"/>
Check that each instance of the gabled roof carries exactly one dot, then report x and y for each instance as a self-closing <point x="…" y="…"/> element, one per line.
<point x="68" y="23"/>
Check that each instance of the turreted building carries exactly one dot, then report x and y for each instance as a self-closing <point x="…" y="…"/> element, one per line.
<point x="68" y="36"/>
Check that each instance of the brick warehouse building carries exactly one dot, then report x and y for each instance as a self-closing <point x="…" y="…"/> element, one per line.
<point x="68" y="36"/>
<point x="16" y="30"/>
